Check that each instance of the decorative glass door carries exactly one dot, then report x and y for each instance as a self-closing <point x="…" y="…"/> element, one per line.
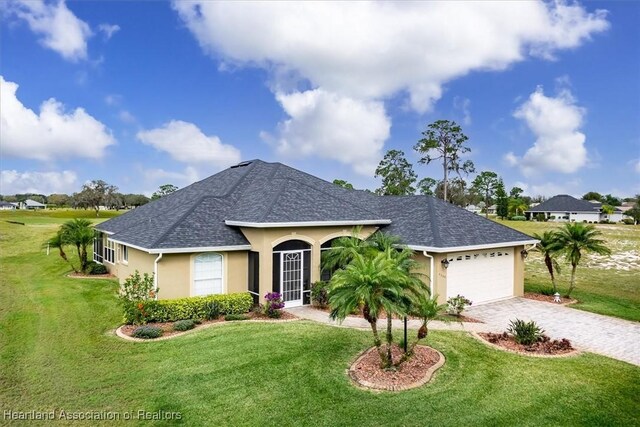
<point x="291" y="277"/>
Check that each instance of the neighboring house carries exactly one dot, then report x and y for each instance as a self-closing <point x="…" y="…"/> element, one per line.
<point x="492" y="210"/>
<point x="5" y="206"/>
<point x="262" y="227"/>
<point x="626" y="206"/>
<point x="567" y="208"/>
<point x="473" y="208"/>
<point x="31" y="205"/>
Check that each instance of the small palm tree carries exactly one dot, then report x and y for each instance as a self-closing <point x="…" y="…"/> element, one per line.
<point x="549" y="248"/>
<point x="427" y="309"/>
<point x="371" y="284"/>
<point x="402" y="258"/>
<point x="57" y="242"/>
<point x="79" y="233"/>
<point x="574" y="239"/>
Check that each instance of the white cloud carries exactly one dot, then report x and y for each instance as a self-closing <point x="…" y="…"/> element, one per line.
<point x="60" y="30"/>
<point x="13" y="182"/>
<point x="186" y="143"/>
<point x="374" y="50"/>
<point x="153" y="178"/>
<point x="330" y="126"/>
<point x="510" y="159"/>
<point x="108" y="30"/>
<point x="126" y="117"/>
<point x="52" y="133"/>
<point x="556" y="123"/>
<point x="113" y="99"/>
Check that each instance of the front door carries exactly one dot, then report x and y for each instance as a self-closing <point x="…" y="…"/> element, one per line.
<point x="291" y="277"/>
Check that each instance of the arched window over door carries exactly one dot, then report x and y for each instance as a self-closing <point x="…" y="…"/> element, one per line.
<point x="207" y="274"/>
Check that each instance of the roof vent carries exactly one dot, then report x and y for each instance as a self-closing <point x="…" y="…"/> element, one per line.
<point x="241" y="164"/>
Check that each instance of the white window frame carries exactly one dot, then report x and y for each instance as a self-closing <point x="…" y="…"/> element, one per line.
<point x="110" y="249"/>
<point x="97" y="258"/>
<point x="124" y="254"/>
<point x="196" y="279"/>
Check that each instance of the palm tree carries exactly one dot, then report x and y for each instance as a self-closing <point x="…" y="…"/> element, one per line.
<point x="57" y="242"/>
<point x="549" y="247"/>
<point x="343" y="250"/>
<point x="78" y="232"/>
<point x="402" y="258"/>
<point x="371" y="284"/>
<point x="427" y="309"/>
<point x="576" y="238"/>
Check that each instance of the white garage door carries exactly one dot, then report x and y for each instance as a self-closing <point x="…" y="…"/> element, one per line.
<point x="481" y="276"/>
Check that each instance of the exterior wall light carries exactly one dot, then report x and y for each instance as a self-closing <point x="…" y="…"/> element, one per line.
<point x="524" y="253"/>
<point x="445" y="263"/>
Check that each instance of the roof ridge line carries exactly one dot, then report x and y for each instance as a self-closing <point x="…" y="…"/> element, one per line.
<point x="434" y="218"/>
<point x="249" y="167"/>
<point x="275" y="199"/>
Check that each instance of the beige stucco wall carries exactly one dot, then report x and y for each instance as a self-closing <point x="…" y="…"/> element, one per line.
<point x="518" y="272"/>
<point x="263" y="240"/>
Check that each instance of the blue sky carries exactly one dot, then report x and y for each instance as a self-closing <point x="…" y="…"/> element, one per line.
<point x="146" y="93"/>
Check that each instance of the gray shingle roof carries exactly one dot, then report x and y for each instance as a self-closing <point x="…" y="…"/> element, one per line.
<point x="260" y="192"/>
<point x="566" y="203"/>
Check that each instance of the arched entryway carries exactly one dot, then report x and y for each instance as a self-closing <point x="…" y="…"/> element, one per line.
<point x="292" y="272"/>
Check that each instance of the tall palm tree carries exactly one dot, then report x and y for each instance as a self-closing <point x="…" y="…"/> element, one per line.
<point x="549" y="247"/>
<point x="79" y="233"/>
<point x="576" y="239"/>
<point x="371" y="284"/>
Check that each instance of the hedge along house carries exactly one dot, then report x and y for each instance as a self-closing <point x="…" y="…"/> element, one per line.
<point x="262" y="227"/>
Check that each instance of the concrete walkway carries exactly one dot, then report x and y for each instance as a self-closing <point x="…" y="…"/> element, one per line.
<point x="610" y="336"/>
<point x="320" y="316"/>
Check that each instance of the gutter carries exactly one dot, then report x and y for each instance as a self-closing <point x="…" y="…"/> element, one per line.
<point x="431" y="272"/>
<point x="155" y="272"/>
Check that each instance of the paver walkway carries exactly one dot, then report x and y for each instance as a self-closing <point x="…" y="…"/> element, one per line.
<point x="605" y="335"/>
<point x="320" y="316"/>
<point x="616" y="338"/>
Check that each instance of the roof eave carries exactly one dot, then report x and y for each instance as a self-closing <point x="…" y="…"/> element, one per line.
<point x="227" y="248"/>
<point x="472" y="247"/>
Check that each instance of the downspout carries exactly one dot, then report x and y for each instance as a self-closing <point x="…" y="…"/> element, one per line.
<point x="431" y="272"/>
<point x="155" y="273"/>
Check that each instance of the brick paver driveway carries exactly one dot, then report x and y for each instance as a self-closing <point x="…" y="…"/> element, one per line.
<point x="605" y="335"/>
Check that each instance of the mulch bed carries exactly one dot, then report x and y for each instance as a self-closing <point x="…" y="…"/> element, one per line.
<point x="549" y="298"/>
<point x="167" y="327"/>
<point x="415" y="372"/>
<point x="448" y="317"/>
<point x="546" y="346"/>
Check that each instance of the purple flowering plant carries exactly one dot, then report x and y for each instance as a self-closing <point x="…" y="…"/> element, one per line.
<point x="273" y="305"/>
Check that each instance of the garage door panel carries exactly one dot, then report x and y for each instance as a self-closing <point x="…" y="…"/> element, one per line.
<point x="481" y="276"/>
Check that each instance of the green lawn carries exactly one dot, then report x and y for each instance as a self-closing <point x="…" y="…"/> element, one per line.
<point x="56" y="352"/>
<point x="608" y="286"/>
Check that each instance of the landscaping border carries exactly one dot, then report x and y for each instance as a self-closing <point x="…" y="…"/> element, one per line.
<point x="118" y="332"/>
<point x="574" y="352"/>
<point x="94" y="276"/>
<point x="377" y="388"/>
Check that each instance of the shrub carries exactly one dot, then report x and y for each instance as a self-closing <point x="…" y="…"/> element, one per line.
<point x="230" y="317"/>
<point x="320" y="293"/>
<point x="457" y="304"/>
<point x="525" y="333"/>
<point x="147" y="332"/>
<point x="193" y="307"/>
<point x="273" y="305"/>
<point x="629" y="221"/>
<point x="552" y="217"/>
<point x="212" y="310"/>
<point x="518" y="218"/>
<point x="135" y="294"/>
<point x="184" y="325"/>
<point x="95" y="268"/>
<point x="540" y="217"/>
